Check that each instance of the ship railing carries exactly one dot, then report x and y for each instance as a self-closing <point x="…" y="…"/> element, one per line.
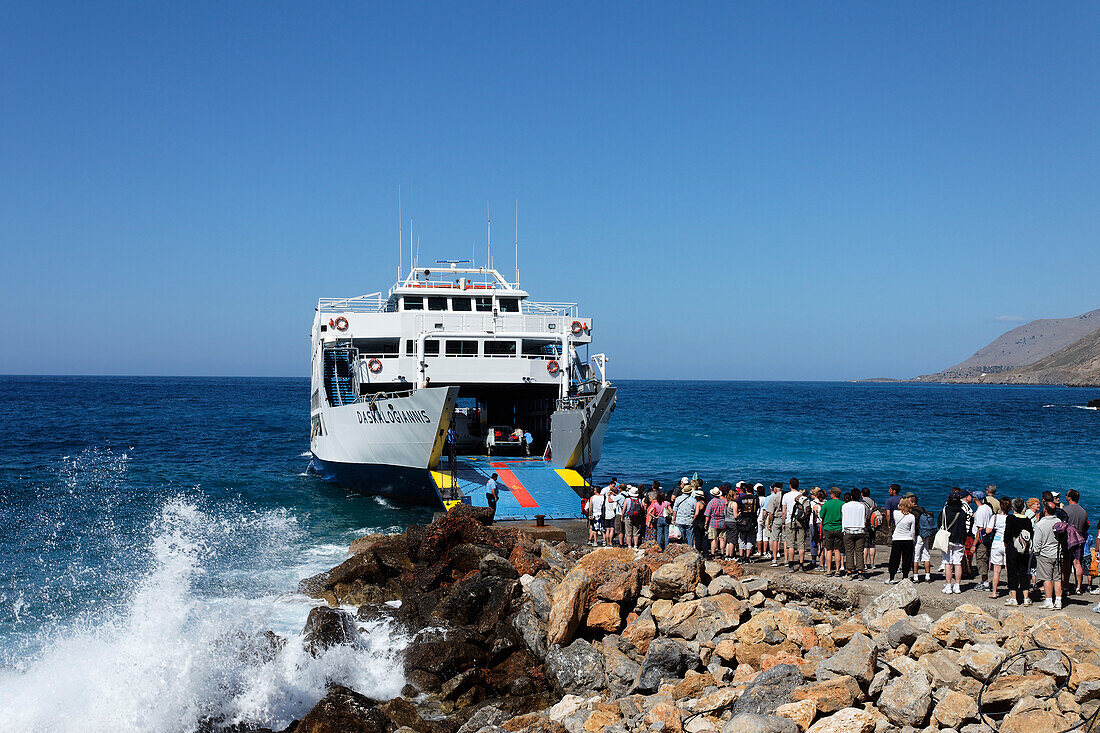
<point x="379" y="396"/>
<point x="575" y="402"/>
<point x="373" y="303"/>
<point x="569" y="310"/>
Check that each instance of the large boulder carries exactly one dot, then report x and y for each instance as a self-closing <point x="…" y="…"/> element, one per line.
<point x="1009" y="689"/>
<point x="641" y="631"/>
<point x="665" y="659"/>
<point x="943" y="667"/>
<point x="1076" y="637"/>
<point x="326" y="627"/>
<point x="829" y="696"/>
<point x="981" y="659"/>
<point x="495" y="565"/>
<point x="342" y="710"/>
<point x="704" y="618"/>
<point x="755" y="723"/>
<point x="620" y="669"/>
<point x="363" y="567"/>
<point x="477" y="600"/>
<point x="770" y="689"/>
<point x="954" y="710"/>
<point x="848" y="720"/>
<point x="575" y="669"/>
<point x="678" y="577"/>
<point x="604" y="616"/>
<point x="907" y="700"/>
<point x="444" y="653"/>
<point x="902" y="596"/>
<point x="856" y="659"/>
<point x="568" y="604"/>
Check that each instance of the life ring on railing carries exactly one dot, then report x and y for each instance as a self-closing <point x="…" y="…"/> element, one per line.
<point x="577" y="327"/>
<point x="374" y="365"/>
<point x="552" y="367"/>
<point x="341" y="324"/>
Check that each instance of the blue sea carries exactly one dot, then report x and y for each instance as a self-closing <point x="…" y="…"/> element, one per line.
<point x="151" y="527"/>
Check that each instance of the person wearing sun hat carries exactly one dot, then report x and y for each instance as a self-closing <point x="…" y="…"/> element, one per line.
<point x="716" y="521"/>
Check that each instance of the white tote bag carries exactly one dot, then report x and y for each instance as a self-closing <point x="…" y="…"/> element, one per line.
<point x="943" y="535"/>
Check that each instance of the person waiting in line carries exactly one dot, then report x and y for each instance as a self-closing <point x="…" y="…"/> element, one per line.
<point x="854" y="524"/>
<point x="1018" y="543"/>
<point x="1048" y="556"/>
<point x="658" y="516"/>
<point x="997" y="557"/>
<point x="816" y="544"/>
<point x="732" y="547"/>
<point x="747" y="520"/>
<point x="699" y="519"/>
<point x="797" y="520"/>
<point x="832" y="532"/>
<point x="891" y="504"/>
<point x="633" y="518"/>
<point x="715" y="513"/>
<point x="873" y="518"/>
<point x="683" y="510"/>
<point x="954" y="519"/>
<point x="595" y="517"/>
<point x="926" y="533"/>
<point x="761" y="492"/>
<point x="983" y="538"/>
<point x="1077" y="518"/>
<point x="902" y="540"/>
<point x="609" y="515"/>
<point x="773" y="520"/>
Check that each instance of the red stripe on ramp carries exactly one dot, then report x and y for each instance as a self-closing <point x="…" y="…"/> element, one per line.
<point x="522" y="496"/>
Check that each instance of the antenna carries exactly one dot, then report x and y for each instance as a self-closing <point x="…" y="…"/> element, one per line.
<point x="418" y="252"/>
<point x="488" y="237"/>
<point x="517" y="242"/>
<point x="412" y="265"/>
<point x="400" y="241"/>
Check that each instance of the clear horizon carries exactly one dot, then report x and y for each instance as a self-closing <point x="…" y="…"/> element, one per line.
<point x="744" y="193"/>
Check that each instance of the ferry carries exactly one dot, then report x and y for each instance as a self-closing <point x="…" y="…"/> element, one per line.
<point x="454" y="371"/>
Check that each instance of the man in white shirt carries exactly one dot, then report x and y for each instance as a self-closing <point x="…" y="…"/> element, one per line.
<point x="794" y="533"/>
<point x="853" y="519"/>
<point x="595" y="518"/>
<point x="984" y="524"/>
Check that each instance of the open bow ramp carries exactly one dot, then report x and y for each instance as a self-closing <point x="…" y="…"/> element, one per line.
<point x="527" y="487"/>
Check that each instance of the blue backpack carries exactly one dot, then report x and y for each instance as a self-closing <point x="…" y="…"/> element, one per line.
<point x="926" y="525"/>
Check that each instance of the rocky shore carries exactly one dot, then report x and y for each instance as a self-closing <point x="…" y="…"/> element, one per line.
<point x="510" y="633"/>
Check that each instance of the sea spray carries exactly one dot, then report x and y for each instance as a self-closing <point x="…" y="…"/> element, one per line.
<point x="181" y="649"/>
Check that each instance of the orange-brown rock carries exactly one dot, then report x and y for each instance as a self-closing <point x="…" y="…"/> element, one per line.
<point x="604" y="616"/>
<point x="692" y="685"/>
<point x="801" y="712"/>
<point x="640" y="632"/>
<point x="767" y="661"/>
<point x="830" y="695"/>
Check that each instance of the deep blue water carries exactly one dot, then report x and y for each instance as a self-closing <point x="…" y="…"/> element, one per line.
<point x="148" y="525"/>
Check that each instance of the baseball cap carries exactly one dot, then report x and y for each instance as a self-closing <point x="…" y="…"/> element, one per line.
<point x="979" y="494"/>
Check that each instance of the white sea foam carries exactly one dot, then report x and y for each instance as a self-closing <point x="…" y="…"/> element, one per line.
<point x="176" y="653"/>
<point x="305" y="454"/>
<point x="1086" y="407"/>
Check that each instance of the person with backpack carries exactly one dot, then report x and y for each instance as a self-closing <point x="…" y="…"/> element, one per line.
<point x="593" y="509"/>
<point x="715" y="513"/>
<point x="658" y="516"/>
<point x="1018" y="534"/>
<point x="874" y="519"/>
<point x="997" y="547"/>
<point x="922" y="546"/>
<point x="747" y="521"/>
<point x="633" y="518"/>
<point x="902" y="540"/>
<point x="796" y="520"/>
<point x="1078" y="518"/>
<point x="954" y="522"/>
<point x="983" y="538"/>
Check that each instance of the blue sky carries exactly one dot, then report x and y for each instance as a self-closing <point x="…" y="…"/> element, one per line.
<point x="732" y="190"/>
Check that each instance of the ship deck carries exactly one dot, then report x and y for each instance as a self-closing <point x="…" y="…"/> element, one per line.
<point x="527" y="487"/>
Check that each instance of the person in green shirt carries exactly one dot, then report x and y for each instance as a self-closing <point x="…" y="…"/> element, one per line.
<point x="831" y="535"/>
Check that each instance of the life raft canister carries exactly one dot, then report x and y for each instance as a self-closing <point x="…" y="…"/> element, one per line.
<point x="577" y="327"/>
<point x="341" y="324"/>
<point x="552" y="366"/>
<point x="374" y="365"/>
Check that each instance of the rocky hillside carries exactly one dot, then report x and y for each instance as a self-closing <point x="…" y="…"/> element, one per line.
<point x="1045" y="351"/>
<point x="512" y="634"/>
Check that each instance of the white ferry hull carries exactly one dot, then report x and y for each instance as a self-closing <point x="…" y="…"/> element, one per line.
<point x="388" y="450"/>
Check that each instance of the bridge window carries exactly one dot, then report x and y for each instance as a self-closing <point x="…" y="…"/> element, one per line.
<point x="509" y="305"/>
<point x="431" y="348"/>
<point x="500" y="348"/>
<point x="540" y="347"/>
<point x="461" y="348"/>
<point x="461" y="304"/>
<point x="376" y="347"/>
<point x="436" y="303"/>
<point x="484" y="305"/>
<point x="414" y="303"/>
<point x="410" y="347"/>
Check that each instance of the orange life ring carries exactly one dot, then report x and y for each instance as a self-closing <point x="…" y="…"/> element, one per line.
<point x="552" y="366"/>
<point x="374" y="365"/>
<point x="341" y="324"/>
<point x="576" y="327"/>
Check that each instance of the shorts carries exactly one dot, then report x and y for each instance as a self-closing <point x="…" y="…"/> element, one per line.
<point x="833" y="539"/>
<point x="869" y="540"/>
<point x="759" y="532"/>
<point x="981" y="557"/>
<point x="1077" y="553"/>
<point x="921" y="550"/>
<point x="747" y="535"/>
<point x="955" y="553"/>
<point x="1044" y="568"/>
<point x="631" y="531"/>
<point x="608" y="523"/>
<point x="712" y="533"/>
<point x="619" y="524"/>
<point x="595" y="523"/>
<point x="997" y="555"/>
<point x="731" y="534"/>
<point x="775" y="532"/>
<point x="795" y="536"/>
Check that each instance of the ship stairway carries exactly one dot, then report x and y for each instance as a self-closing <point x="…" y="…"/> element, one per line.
<point x="527" y="487"/>
<point x="339" y="373"/>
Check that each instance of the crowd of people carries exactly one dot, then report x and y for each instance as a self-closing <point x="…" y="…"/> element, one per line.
<point x="1035" y="545"/>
